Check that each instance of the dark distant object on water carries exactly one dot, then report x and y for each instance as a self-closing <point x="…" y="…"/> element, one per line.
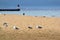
<point x="17" y="9"/>
<point x="23" y="13"/>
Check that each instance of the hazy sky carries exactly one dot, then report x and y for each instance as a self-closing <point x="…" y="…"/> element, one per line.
<point x="29" y="3"/>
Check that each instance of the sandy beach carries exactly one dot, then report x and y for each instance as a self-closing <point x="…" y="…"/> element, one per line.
<point x="50" y="27"/>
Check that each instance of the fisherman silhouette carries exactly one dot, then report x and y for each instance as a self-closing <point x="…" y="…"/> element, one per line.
<point x="18" y="5"/>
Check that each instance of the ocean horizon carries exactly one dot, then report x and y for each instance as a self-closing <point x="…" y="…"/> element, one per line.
<point x="41" y="12"/>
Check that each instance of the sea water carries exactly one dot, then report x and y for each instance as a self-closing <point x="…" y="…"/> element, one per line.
<point x="34" y="12"/>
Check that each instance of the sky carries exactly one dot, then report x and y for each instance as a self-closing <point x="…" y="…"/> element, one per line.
<point x="30" y="3"/>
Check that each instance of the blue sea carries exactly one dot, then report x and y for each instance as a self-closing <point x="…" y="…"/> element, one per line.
<point x="48" y="13"/>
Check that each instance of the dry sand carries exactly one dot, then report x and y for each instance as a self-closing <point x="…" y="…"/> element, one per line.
<point x="50" y="28"/>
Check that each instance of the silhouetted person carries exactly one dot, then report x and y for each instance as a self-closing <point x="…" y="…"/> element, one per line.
<point x="18" y="6"/>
